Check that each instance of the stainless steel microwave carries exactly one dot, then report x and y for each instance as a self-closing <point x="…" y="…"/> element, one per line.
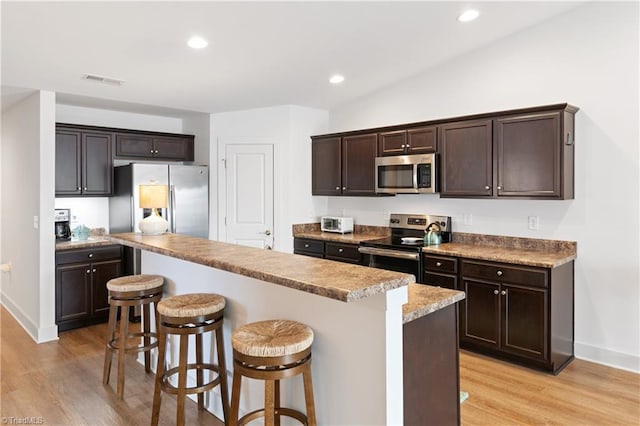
<point x="406" y="174"/>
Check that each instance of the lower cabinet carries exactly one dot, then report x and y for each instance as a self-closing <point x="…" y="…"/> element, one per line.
<point x="520" y="313"/>
<point x="81" y="284"/>
<point x="440" y="271"/>
<point x="341" y="252"/>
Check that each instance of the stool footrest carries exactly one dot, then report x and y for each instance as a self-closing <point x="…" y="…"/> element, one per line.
<point x="113" y="343"/>
<point x="287" y="412"/>
<point x="169" y="388"/>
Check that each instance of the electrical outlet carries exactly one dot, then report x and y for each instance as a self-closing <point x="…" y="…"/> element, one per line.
<point x="36" y="222"/>
<point x="468" y="219"/>
<point x="534" y="223"/>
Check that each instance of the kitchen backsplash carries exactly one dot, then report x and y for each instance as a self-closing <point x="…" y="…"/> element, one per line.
<point x="88" y="211"/>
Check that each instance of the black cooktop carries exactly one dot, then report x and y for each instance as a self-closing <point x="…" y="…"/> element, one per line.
<point x="413" y="242"/>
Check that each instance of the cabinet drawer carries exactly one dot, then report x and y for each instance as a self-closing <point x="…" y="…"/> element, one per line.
<point x="499" y="272"/>
<point x="88" y="255"/>
<point x="347" y="252"/>
<point x="441" y="264"/>
<point x="308" y="245"/>
<point x="440" y="280"/>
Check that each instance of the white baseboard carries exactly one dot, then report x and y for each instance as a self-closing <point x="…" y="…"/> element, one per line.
<point x="38" y="334"/>
<point x="623" y="361"/>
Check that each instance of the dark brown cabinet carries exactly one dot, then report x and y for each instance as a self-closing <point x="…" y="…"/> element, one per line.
<point x="83" y="162"/>
<point x="341" y="252"/>
<point x="466" y="154"/>
<point x="81" y="278"/>
<point x="525" y="155"/>
<point x="520" y="313"/>
<point x="440" y="271"/>
<point x="417" y="140"/>
<point x="156" y="147"/>
<point x="344" y="165"/>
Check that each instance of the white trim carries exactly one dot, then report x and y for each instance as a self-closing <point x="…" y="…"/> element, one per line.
<point x="43" y="334"/>
<point x="604" y="356"/>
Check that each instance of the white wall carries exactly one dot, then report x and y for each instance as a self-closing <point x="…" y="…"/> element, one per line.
<point x="119" y="119"/>
<point x="288" y="129"/>
<point x="587" y="57"/>
<point x="28" y="155"/>
<point x="198" y="125"/>
<point x="92" y="212"/>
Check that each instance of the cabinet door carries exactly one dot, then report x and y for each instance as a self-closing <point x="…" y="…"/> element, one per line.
<point x="342" y="252"/>
<point x="480" y="313"/>
<point x="130" y="145"/>
<point x="101" y="273"/>
<point x="68" y="160"/>
<point x="97" y="166"/>
<point x="466" y="159"/>
<point x="325" y="167"/>
<point x="422" y="140"/>
<point x="172" y="148"/>
<point x="529" y="150"/>
<point x="524" y="329"/>
<point x="359" y="164"/>
<point x="73" y="293"/>
<point x="393" y="143"/>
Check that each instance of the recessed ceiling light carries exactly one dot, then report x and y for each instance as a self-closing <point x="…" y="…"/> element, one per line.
<point x="468" y="15"/>
<point x="197" y="43"/>
<point x="336" y="79"/>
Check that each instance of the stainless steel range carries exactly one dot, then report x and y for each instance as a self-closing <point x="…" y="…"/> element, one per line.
<point x="402" y="251"/>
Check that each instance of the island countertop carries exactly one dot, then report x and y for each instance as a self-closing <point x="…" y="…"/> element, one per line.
<point x="335" y="280"/>
<point x="425" y="299"/>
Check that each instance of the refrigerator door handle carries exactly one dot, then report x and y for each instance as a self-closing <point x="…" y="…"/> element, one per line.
<point x="172" y="202"/>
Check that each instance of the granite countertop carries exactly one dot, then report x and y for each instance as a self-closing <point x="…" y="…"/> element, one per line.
<point x="518" y="256"/>
<point x="335" y="280"/>
<point x="426" y="299"/>
<point x="96" y="241"/>
<point x="353" y="238"/>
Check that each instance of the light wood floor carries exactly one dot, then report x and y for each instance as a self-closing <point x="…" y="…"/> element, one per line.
<point x="61" y="382"/>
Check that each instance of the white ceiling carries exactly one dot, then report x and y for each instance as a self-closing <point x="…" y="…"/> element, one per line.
<point x="259" y="54"/>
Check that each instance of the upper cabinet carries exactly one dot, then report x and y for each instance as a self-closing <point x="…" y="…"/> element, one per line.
<point x="83" y="162"/>
<point x="525" y="155"/>
<point x="154" y="147"/>
<point x="344" y="165"/>
<point x="417" y="140"/>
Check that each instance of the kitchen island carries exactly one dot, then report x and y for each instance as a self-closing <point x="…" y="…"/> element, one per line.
<point x="358" y="346"/>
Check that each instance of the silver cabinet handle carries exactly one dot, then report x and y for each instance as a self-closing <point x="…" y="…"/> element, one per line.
<point x="495" y="292"/>
<point x="487" y="187"/>
<point x="344" y="188"/>
<point x="90" y="255"/>
<point x="340" y="250"/>
<point x="499" y="273"/>
<point x="499" y="187"/>
<point x="85" y="188"/>
<point x="79" y="189"/>
<point x="337" y="188"/>
<point x="503" y="292"/>
<point x="94" y="270"/>
<point x="306" y="246"/>
<point x="402" y="146"/>
<point x="88" y="271"/>
<point x="438" y="264"/>
<point x="152" y="151"/>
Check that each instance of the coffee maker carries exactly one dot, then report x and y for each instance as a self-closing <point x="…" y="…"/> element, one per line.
<point x="63" y="230"/>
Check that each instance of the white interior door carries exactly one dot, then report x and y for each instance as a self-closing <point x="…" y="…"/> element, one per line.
<point x="249" y="195"/>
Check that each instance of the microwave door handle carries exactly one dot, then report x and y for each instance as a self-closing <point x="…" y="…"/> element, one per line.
<point x="415" y="175"/>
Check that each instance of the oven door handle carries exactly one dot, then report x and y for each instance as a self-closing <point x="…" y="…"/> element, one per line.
<point x="389" y="253"/>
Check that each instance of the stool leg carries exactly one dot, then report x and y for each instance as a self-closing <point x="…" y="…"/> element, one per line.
<point x="108" y="353"/>
<point x="182" y="378"/>
<point x="235" y="398"/>
<point x="308" y="395"/>
<point x="222" y="372"/>
<point x="199" y="373"/>
<point x="276" y="399"/>
<point x="122" y="347"/>
<point x="146" y="329"/>
<point x="269" y="405"/>
<point x="162" y="348"/>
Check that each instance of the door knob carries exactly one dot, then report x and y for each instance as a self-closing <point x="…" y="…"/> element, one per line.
<point x="495" y="292"/>
<point x="268" y="247"/>
<point x="267" y="232"/>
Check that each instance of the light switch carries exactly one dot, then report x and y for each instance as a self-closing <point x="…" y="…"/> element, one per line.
<point x="36" y="222"/>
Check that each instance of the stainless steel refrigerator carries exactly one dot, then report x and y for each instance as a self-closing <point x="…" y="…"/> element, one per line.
<point x="188" y="211"/>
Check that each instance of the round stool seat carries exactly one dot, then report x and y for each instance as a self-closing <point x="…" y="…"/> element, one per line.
<point x="135" y="283"/>
<point x="191" y="305"/>
<point x="273" y="338"/>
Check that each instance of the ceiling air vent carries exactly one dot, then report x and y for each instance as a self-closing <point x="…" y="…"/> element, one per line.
<point x="103" y="80"/>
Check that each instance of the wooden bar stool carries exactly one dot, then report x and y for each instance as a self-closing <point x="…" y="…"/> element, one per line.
<point x="184" y="315"/>
<point x="124" y="292"/>
<point x="270" y="351"/>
